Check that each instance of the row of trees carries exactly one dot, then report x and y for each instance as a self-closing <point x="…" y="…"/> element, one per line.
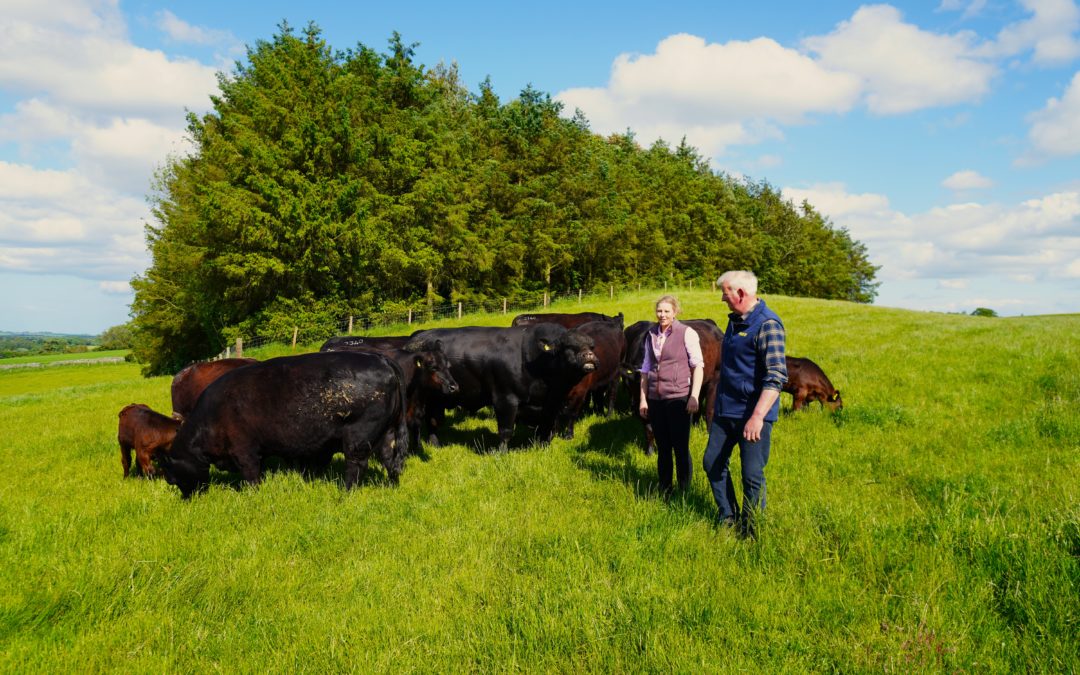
<point x="329" y="183"/>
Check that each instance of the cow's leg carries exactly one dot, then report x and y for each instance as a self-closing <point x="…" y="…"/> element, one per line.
<point x="436" y="418"/>
<point x="249" y="463"/>
<point x="505" y="416"/>
<point x="800" y="400"/>
<point x="125" y="459"/>
<point x="144" y="456"/>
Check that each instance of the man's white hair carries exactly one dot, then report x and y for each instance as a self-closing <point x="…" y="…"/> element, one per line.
<point x="737" y="279"/>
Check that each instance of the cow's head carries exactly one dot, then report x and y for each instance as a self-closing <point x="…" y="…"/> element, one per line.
<point x="577" y="351"/>
<point x="178" y="467"/>
<point x="433" y="365"/>
<point x="834" y="401"/>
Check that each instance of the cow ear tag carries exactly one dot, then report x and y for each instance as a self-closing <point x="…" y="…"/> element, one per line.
<point x="419" y="362"/>
<point x="547" y="347"/>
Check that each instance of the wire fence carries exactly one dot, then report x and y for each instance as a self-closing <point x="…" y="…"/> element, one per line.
<point x="358" y="325"/>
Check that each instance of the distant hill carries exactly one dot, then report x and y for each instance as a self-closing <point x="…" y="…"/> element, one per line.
<point x="31" y="343"/>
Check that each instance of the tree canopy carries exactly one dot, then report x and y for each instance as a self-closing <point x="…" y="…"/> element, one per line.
<point x="326" y="183"/>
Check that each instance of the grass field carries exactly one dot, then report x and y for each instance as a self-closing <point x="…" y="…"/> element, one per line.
<point x="931" y="526"/>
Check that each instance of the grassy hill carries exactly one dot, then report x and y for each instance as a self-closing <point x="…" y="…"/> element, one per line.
<point x="933" y="525"/>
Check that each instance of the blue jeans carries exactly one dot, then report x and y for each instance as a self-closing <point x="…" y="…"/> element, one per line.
<point x="724" y="435"/>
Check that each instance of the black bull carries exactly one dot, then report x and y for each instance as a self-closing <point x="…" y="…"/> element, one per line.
<point x="300" y="408"/>
<point x="523" y="373"/>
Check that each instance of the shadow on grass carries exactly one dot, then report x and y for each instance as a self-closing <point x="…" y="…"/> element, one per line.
<point x="609" y="452"/>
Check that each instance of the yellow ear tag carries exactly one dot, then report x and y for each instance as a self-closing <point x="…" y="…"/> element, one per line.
<point x="547" y="348"/>
<point x="419" y="362"/>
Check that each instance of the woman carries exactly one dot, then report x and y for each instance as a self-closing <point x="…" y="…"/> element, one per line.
<point x="671" y="374"/>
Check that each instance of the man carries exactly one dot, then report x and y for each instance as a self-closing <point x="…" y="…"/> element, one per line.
<point x="752" y="373"/>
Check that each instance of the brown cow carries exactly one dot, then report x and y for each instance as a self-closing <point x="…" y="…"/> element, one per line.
<point x="147" y="432"/>
<point x="807" y="383"/>
<point x="190" y="382"/>
<point x="567" y="321"/>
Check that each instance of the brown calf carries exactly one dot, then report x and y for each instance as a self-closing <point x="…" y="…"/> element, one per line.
<point x="147" y="432"/>
<point x="807" y="383"/>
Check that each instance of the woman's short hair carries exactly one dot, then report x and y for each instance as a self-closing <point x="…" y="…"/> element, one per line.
<point x="739" y="279"/>
<point x="671" y="300"/>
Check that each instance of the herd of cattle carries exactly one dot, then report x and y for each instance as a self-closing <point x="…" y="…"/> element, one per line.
<point x="376" y="395"/>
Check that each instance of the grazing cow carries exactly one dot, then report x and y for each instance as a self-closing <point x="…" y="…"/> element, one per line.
<point x="807" y="383"/>
<point x="567" y="321"/>
<point x="352" y="343"/>
<point x="300" y="408"/>
<point x="190" y="382"/>
<point x="147" y="432"/>
<point x="610" y="349"/>
<point x="711" y="339"/>
<point x="425" y="368"/>
<point x="525" y="371"/>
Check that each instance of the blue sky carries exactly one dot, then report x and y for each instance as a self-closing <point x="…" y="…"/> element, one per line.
<point x="943" y="135"/>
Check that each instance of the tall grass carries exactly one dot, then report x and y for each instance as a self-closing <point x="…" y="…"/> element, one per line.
<point x="932" y="525"/>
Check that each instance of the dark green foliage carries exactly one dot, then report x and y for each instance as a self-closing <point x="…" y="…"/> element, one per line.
<point x="353" y="182"/>
<point x="983" y="311"/>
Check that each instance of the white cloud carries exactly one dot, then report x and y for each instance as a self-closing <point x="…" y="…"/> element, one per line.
<point x="1038" y="239"/>
<point x="1055" y="130"/>
<point x="953" y="284"/>
<point x="115" y="287"/>
<point x="62" y="222"/>
<point x="970" y="8"/>
<point x="181" y="31"/>
<point x="902" y="67"/>
<point x="714" y="94"/>
<point x="967" y="180"/>
<point x="1048" y="33"/>
<point x="91" y="67"/>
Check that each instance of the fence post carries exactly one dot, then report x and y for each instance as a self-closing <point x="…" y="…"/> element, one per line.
<point x="665" y="284"/>
<point x="691" y="284"/>
<point x="350" y="324"/>
<point x="611" y="292"/>
<point x="239" y="347"/>
<point x="295" y="331"/>
<point x="459" y="310"/>
<point x="228" y="351"/>
<point x="714" y="286"/>
<point x="504" y="305"/>
<point x="545" y="298"/>
<point x="579" y="295"/>
<point x="410" y="317"/>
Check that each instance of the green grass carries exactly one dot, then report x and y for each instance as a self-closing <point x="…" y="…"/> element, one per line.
<point x="932" y="526"/>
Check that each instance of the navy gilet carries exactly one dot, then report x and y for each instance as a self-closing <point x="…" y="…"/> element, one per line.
<point x="743" y="368"/>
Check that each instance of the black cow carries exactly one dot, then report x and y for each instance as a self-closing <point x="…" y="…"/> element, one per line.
<point x="610" y="349"/>
<point x="567" y="321"/>
<point x="425" y="368"/>
<point x="521" y="372"/>
<point x="301" y="408"/>
<point x="711" y="339"/>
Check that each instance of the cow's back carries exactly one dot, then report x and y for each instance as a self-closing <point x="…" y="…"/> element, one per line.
<point x="190" y="382"/>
